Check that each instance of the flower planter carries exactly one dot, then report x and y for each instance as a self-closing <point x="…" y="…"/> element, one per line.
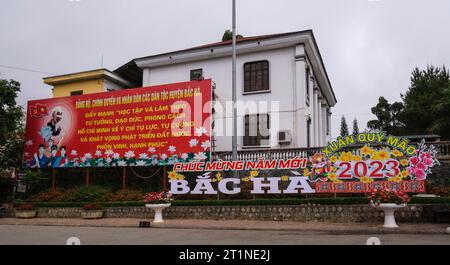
<point x="92" y="214"/>
<point x="158" y="208"/>
<point x="389" y="210"/>
<point x="25" y="213"/>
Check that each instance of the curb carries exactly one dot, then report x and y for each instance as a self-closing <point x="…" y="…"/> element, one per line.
<point x="372" y="231"/>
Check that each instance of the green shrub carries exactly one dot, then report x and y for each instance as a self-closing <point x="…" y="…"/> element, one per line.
<point x="85" y="194"/>
<point x="123" y="196"/>
<point x="322" y="201"/>
<point x="48" y="196"/>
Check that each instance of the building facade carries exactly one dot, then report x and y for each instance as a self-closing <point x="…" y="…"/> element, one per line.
<point x="283" y="75"/>
<point x="87" y="82"/>
<point x="284" y="68"/>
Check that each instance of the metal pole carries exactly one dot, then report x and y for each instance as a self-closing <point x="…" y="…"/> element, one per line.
<point x="234" y="94"/>
<point x="165" y="179"/>
<point x="124" y="176"/>
<point x="53" y="179"/>
<point x="87" y="177"/>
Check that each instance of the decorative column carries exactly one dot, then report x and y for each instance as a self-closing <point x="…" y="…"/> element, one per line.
<point x="299" y="98"/>
<point x="324" y="116"/>
<point x="315" y="120"/>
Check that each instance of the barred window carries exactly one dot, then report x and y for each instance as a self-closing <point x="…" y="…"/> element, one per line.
<point x="196" y="74"/>
<point x="256" y="76"/>
<point x="257" y="130"/>
<point x="77" y="92"/>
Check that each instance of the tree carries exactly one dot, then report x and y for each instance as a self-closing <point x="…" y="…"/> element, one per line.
<point x="228" y="35"/>
<point x="344" y="127"/>
<point x="11" y="125"/>
<point x="427" y="102"/>
<point x="389" y="117"/>
<point x="355" y="127"/>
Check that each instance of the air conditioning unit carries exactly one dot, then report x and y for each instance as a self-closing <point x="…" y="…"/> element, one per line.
<point x="284" y="137"/>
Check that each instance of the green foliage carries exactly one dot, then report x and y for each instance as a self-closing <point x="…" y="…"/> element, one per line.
<point x="388" y="117"/>
<point x="321" y="201"/>
<point x="35" y="180"/>
<point x="344" y="127"/>
<point x="228" y="35"/>
<point x="355" y="127"/>
<point x="11" y="125"/>
<point x="86" y="194"/>
<point x="425" y="108"/>
<point x="427" y="102"/>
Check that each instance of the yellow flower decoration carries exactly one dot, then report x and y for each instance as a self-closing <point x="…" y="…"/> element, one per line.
<point x="253" y="173"/>
<point x="332" y="176"/>
<point x="383" y="155"/>
<point x="245" y="179"/>
<point x="346" y="156"/>
<point x="219" y="176"/>
<point x="373" y="154"/>
<point x="333" y="159"/>
<point x="397" y="179"/>
<point x="305" y="172"/>
<point x="284" y="178"/>
<point x="366" y="150"/>
<point x="173" y="175"/>
<point x="180" y="177"/>
<point x="356" y="158"/>
<point x="404" y="162"/>
<point x="397" y="153"/>
<point x="404" y="174"/>
<point x="333" y="169"/>
<point x="366" y="179"/>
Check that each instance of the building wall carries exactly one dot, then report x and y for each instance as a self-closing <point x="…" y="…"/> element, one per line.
<point x="88" y="87"/>
<point x="414" y="213"/>
<point x="287" y="88"/>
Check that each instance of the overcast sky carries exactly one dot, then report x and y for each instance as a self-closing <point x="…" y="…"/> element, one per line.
<point x="369" y="47"/>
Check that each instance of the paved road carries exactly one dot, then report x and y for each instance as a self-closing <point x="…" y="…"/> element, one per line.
<point x="57" y="235"/>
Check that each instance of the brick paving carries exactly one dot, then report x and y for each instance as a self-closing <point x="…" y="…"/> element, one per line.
<point x="319" y="227"/>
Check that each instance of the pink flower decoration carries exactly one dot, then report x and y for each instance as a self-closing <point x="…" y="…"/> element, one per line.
<point x="428" y="162"/>
<point x="424" y="156"/>
<point x="421" y="166"/>
<point x="414" y="160"/>
<point x="420" y="174"/>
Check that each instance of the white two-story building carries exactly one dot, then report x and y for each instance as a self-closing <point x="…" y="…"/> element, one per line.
<point x="285" y="69"/>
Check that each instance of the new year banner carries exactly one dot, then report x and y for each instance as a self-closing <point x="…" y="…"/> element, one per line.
<point x="157" y="125"/>
<point x="352" y="164"/>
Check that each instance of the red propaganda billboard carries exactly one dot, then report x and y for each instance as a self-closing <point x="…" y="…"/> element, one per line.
<point x="157" y="125"/>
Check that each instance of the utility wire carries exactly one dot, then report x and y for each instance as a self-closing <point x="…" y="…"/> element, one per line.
<point x="26" y="69"/>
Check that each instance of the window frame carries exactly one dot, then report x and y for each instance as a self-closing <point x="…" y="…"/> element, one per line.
<point x="245" y="144"/>
<point x="77" y="93"/>
<point x="249" y="83"/>
<point x="193" y="71"/>
<point x="307" y="86"/>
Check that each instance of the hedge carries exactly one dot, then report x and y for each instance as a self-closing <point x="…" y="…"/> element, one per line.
<point x="322" y="201"/>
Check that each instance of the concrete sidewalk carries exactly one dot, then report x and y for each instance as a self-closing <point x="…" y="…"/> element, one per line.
<point x="316" y="227"/>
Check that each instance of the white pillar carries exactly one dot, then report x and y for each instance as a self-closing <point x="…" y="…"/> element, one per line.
<point x="320" y="115"/>
<point x="299" y="100"/>
<point x="323" y="113"/>
<point x="315" y="130"/>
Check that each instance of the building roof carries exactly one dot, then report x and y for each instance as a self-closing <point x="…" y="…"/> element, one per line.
<point x="132" y="71"/>
<point x="226" y="43"/>
<point x="87" y="75"/>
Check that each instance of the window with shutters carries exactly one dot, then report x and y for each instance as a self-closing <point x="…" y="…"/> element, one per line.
<point x="256" y="77"/>
<point x="257" y="130"/>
